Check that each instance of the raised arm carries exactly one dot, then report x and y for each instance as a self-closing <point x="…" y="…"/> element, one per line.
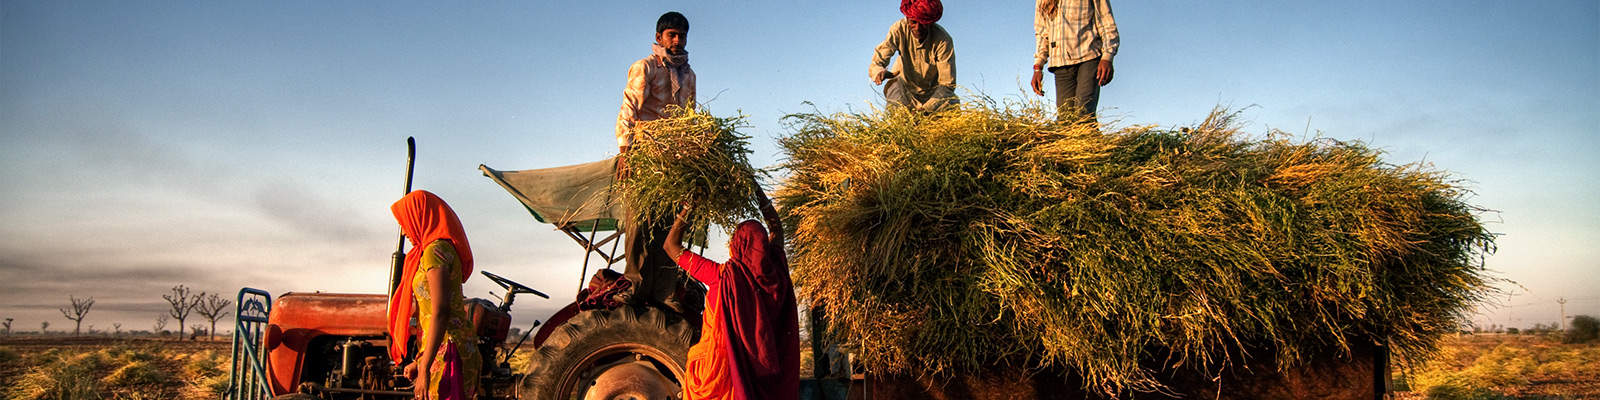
<point x="770" y="214"/>
<point x="674" y="244"/>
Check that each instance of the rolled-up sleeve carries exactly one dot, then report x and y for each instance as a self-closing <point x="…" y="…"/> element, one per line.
<point x="944" y="59"/>
<point x="884" y="52"/>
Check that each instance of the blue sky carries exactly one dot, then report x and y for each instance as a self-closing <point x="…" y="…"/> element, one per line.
<point x="228" y="144"/>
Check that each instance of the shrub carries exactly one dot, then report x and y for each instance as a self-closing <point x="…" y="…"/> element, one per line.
<point x="58" y="375"/>
<point x="127" y="354"/>
<point x="9" y="355"/>
<point x="1584" y="328"/>
<point x="202" y="365"/>
<point x="138" y="373"/>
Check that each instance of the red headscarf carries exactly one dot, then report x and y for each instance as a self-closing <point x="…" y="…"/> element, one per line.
<point x="758" y="309"/>
<point x="423" y="218"/>
<point x="922" y="11"/>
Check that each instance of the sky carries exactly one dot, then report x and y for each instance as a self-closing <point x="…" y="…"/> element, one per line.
<point x="222" y="145"/>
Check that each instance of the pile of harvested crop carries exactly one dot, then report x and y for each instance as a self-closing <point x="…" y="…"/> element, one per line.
<point x="692" y="157"/>
<point x="993" y="235"/>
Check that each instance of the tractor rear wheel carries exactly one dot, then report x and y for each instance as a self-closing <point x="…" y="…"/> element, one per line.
<point x="627" y="352"/>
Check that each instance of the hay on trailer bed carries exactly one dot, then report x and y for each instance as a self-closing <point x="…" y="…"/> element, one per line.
<point x="995" y="235"/>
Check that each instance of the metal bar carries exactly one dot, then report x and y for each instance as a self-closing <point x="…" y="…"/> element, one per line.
<point x="608" y="238"/>
<point x="610" y="258"/>
<point x="513" y="350"/>
<point x="319" y="388"/>
<point x="249" y="382"/>
<point x="588" y="249"/>
<point x="397" y="259"/>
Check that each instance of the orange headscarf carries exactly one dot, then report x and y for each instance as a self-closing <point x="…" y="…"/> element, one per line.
<point x="424" y="218"/>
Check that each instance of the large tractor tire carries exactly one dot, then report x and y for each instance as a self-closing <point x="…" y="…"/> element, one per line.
<point x="626" y="353"/>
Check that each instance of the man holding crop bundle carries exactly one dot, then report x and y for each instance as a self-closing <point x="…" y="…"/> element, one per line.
<point x="924" y="78"/>
<point x="656" y="82"/>
<point x="1076" y="40"/>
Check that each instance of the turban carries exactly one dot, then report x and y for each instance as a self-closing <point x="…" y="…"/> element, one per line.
<point x="922" y="11"/>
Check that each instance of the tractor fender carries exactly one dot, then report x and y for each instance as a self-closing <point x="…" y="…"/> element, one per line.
<point x="557" y="320"/>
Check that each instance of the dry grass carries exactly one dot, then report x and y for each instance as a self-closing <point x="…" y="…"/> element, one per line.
<point x="993" y="234"/>
<point x="86" y="368"/>
<point x="1494" y="366"/>
<point x="696" y="158"/>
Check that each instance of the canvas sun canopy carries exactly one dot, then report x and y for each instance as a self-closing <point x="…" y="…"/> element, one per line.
<point x="570" y="197"/>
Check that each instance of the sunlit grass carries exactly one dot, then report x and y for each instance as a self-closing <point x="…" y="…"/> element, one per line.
<point x="1507" y="367"/>
<point x="994" y="234"/>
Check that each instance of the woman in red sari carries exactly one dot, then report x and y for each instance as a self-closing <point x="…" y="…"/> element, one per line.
<point x="430" y="288"/>
<point x="749" y="344"/>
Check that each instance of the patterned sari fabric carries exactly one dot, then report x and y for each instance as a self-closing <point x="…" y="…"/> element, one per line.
<point x="454" y="371"/>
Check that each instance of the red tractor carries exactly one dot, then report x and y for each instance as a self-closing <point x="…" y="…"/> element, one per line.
<point x="618" y="339"/>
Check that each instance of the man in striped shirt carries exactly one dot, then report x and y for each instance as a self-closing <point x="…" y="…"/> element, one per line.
<point x="1076" y="41"/>
<point x="655" y="82"/>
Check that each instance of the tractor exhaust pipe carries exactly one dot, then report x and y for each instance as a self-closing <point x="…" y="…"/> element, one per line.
<point x="398" y="259"/>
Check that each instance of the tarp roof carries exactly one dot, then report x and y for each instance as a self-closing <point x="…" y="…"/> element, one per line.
<point x="574" y="196"/>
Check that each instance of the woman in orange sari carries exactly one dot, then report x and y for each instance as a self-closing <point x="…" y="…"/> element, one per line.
<point x="749" y="344"/>
<point x="430" y="287"/>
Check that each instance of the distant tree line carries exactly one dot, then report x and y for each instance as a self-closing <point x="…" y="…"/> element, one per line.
<point x="182" y="302"/>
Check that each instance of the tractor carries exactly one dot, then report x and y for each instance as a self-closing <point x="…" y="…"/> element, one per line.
<point x="620" y="338"/>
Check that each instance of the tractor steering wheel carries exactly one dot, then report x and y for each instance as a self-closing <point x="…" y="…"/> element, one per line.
<point x="511" y="286"/>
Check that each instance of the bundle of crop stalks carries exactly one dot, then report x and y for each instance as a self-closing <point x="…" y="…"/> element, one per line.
<point x="994" y="235"/>
<point x="691" y="157"/>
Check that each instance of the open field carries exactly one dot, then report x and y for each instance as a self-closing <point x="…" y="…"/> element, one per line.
<point x="1485" y="366"/>
<point x="1495" y="366"/>
<point x="107" y="368"/>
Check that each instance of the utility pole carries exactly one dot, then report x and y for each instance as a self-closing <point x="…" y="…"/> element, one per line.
<point x="1562" y="324"/>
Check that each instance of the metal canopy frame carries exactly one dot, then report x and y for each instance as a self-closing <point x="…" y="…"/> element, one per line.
<point x="592" y="247"/>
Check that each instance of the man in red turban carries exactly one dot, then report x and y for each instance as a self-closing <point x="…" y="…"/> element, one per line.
<point x="924" y="77"/>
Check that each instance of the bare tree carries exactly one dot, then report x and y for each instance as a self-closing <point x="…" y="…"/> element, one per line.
<point x="118" y="328"/>
<point x="44" y="327"/>
<point x="196" y="331"/>
<point x="213" y="308"/>
<point x="8" y="326"/>
<point x="161" y="325"/>
<point x="182" y="302"/>
<point x="80" y="308"/>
